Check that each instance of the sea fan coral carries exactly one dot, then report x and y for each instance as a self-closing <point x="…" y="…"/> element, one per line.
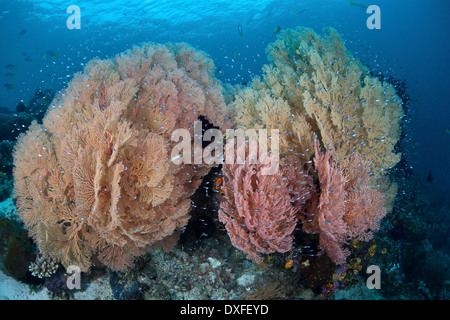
<point x="95" y="181"/>
<point x="347" y="206"/>
<point x="315" y="90"/>
<point x="315" y="86"/>
<point x="259" y="211"/>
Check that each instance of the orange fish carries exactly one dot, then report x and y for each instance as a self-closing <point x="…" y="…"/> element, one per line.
<point x="219" y="184"/>
<point x="288" y="264"/>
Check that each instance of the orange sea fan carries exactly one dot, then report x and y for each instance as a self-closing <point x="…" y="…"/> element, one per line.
<point x="95" y="179"/>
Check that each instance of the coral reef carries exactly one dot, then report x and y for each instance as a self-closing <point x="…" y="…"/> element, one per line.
<point x="94" y="183"/>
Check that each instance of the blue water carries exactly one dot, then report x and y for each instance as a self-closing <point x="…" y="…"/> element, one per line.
<point x="412" y="44"/>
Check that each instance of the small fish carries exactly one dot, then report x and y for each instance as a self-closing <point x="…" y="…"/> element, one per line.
<point x="8" y="86"/>
<point x="218" y="185"/>
<point x="28" y="59"/>
<point x="447" y="131"/>
<point x="430" y="177"/>
<point x="9" y="74"/>
<point x="22" y="32"/>
<point x="300" y="12"/>
<point x="10" y="66"/>
<point x="288" y="264"/>
<point x="240" y="31"/>
<point x="51" y="53"/>
<point x="276" y="30"/>
<point x="357" y="5"/>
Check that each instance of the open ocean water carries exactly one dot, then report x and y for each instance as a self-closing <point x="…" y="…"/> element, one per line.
<point x="45" y="43"/>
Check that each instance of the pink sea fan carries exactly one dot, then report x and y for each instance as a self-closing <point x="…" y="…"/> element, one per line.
<point x="259" y="211"/>
<point x="347" y="207"/>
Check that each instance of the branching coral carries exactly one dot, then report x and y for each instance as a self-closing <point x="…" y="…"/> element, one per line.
<point x="43" y="267"/>
<point x="95" y="181"/>
<point x="315" y="90"/>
